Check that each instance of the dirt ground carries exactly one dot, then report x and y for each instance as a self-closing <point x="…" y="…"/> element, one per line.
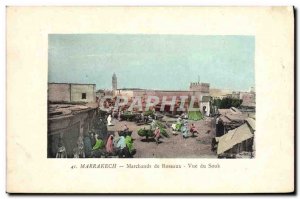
<point x="175" y="146"/>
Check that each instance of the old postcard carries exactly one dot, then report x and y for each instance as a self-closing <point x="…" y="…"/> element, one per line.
<point x="141" y="95"/>
<point x="161" y="107"/>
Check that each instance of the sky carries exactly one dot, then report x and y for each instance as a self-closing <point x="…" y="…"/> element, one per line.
<point x="168" y="62"/>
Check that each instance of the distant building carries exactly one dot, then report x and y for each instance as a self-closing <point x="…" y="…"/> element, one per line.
<point x="205" y="105"/>
<point x="131" y="93"/>
<point x="100" y="93"/>
<point x="114" y="82"/>
<point x="235" y="95"/>
<point x="197" y="86"/>
<point x="197" y="89"/>
<point x="252" y="89"/>
<point x="128" y="92"/>
<point x="71" y="92"/>
<point x="219" y="93"/>
<point x="248" y="99"/>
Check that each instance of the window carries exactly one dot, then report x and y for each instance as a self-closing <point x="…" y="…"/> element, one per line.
<point x="83" y="96"/>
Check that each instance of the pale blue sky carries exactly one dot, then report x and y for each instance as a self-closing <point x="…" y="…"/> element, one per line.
<point x="152" y="61"/>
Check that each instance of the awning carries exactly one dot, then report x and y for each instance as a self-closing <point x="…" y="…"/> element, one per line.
<point x="234" y="137"/>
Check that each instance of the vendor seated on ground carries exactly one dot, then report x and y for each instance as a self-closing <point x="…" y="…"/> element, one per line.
<point x="193" y="130"/>
<point x="129" y="145"/>
<point x="61" y="151"/>
<point x="99" y="143"/>
<point x="98" y="150"/>
<point x="110" y="145"/>
<point x="184" y="130"/>
<point x="157" y="135"/>
<point x="122" y="149"/>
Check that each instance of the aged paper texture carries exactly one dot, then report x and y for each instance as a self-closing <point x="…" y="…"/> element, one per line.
<point x="30" y="171"/>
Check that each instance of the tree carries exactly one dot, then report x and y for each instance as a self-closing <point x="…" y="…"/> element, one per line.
<point x="227" y="102"/>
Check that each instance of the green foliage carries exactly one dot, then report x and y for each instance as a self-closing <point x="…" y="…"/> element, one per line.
<point x="145" y="133"/>
<point x="195" y="115"/>
<point x="164" y="132"/>
<point x="150" y="132"/>
<point x="149" y="113"/>
<point x="127" y="116"/>
<point x="178" y="126"/>
<point x="227" y="103"/>
<point x="162" y="129"/>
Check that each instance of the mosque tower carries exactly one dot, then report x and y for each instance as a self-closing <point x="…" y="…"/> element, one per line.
<point x="114" y="82"/>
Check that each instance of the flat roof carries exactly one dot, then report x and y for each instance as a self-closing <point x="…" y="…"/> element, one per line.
<point x="232" y="114"/>
<point x="140" y="89"/>
<point x="59" y="111"/>
<point x="70" y="83"/>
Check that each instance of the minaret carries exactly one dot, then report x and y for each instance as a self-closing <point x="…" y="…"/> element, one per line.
<point x="114" y="82"/>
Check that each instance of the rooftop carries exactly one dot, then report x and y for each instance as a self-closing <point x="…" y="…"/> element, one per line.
<point x="236" y="136"/>
<point x="70" y="83"/>
<point x="248" y="104"/>
<point x="141" y="89"/>
<point x="59" y="111"/>
<point x="232" y="114"/>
